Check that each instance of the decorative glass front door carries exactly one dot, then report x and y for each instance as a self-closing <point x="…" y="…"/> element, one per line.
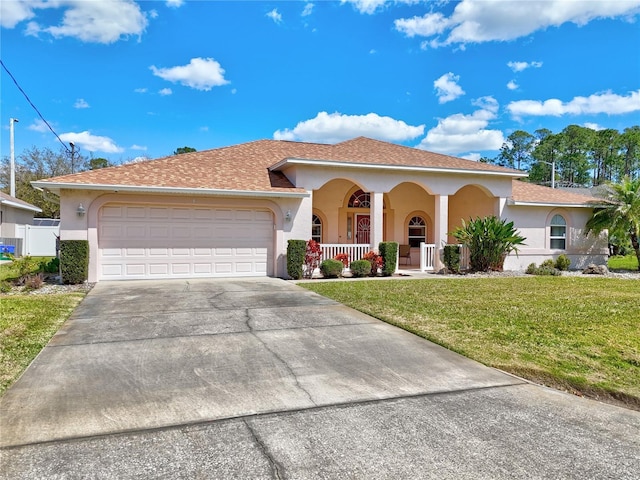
<point x="363" y="228"/>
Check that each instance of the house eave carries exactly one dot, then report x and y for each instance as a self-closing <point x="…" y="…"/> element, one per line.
<point x="377" y="166"/>
<point x="56" y="187"/>
<point x="21" y="206"/>
<point x="518" y="203"/>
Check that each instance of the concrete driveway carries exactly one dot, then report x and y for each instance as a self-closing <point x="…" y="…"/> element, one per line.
<point x="259" y="378"/>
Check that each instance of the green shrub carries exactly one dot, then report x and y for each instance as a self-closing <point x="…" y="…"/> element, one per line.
<point x="531" y="269"/>
<point x="74" y="261"/>
<point x="546" y="270"/>
<point x="331" y="268"/>
<point x="5" y="287"/>
<point x="295" y="258"/>
<point x="452" y="258"/>
<point x="389" y="253"/>
<point x="360" y="268"/>
<point x="548" y="263"/>
<point x="490" y="240"/>
<point x="52" y="266"/>
<point x="563" y="262"/>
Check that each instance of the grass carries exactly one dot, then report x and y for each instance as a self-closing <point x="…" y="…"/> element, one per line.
<point x="27" y="322"/>
<point x="11" y="271"/>
<point x="573" y="333"/>
<point x="628" y="262"/>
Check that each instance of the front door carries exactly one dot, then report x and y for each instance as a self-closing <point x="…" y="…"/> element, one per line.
<point x="363" y="229"/>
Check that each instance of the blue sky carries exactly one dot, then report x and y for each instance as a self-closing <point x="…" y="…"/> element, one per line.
<point x="124" y="79"/>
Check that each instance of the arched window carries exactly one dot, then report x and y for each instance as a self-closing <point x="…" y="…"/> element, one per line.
<point x="417" y="231"/>
<point x="360" y="199"/>
<point x="558" y="233"/>
<point x="316" y="229"/>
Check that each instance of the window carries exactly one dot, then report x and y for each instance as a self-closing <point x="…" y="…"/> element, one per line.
<point x="360" y="199"/>
<point x="558" y="234"/>
<point x="316" y="229"/>
<point x="417" y="231"/>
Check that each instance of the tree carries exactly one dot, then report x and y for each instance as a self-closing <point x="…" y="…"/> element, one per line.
<point x="35" y="164"/>
<point x="605" y="156"/>
<point x="545" y="152"/>
<point x="181" y="150"/>
<point x="516" y="151"/>
<point x="97" y="163"/>
<point x="621" y="214"/>
<point x="630" y="145"/>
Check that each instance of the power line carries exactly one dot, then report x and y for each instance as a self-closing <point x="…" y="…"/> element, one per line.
<point x="34" y="107"/>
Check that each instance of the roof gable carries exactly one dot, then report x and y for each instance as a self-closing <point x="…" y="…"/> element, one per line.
<point x="14" y="202"/>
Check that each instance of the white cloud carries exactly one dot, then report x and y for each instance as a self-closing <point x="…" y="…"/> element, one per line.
<point x="13" y="12"/>
<point x="275" y="16"/>
<point x="92" y="143"/>
<point x="200" y="73"/>
<point x="99" y="22"/>
<point x="141" y="90"/>
<point x="460" y="133"/>
<point x="520" y="66"/>
<point x="336" y="127"/>
<point x="372" y="51"/>
<point x="607" y="103"/>
<point x="175" y="3"/>
<point x="472" y="156"/>
<point x="498" y="20"/>
<point x="447" y="88"/>
<point x="204" y="129"/>
<point x="138" y="147"/>
<point x="81" y="103"/>
<point x="426" y="26"/>
<point x="593" y="126"/>
<point x="372" y="6"/>
<point x="38" y="126"/>
<point x="234" y="91"/>
<point x="165" y="91"/>
<point x="308" y="9"/>
<point x="512" y="85"/>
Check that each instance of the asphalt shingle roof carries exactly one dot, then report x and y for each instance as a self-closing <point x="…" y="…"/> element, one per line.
<point x="246" y="167"/>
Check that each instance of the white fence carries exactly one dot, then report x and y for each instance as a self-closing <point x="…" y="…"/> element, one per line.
<point x="38" y="241"/>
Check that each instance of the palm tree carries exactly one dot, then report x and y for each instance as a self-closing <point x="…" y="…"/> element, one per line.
<point x="621" y="214"/>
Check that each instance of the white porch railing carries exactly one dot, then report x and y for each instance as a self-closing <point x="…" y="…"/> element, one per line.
<point x="464" y="257"/>
<point x="428" y="254"/>
<point x="355" y="250"/>
<point x="427" y="257"/>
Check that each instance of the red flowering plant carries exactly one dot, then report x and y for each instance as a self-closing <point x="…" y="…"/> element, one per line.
<point x="312" y="258"/>
<point x="344" y="258"/>
<point x="375" y="260"/>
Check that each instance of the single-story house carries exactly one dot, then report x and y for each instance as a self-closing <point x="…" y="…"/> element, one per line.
<point x="14" y="215"/>
<point x="230" y="211"/>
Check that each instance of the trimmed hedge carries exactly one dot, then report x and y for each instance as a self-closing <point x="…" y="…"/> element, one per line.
<point x="360" y="268"/>
<point x="389" y="253"/>
<point x="74" y="261"/>
<point x="296" y="250"/>
<point x="331" y="268"/>
<point x="452" y="258"/>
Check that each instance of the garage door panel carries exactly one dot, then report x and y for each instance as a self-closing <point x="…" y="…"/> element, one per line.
<point x="165" y="242"/>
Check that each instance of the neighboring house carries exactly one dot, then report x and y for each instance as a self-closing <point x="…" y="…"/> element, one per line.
<point x="230" y="211"/>
<point x="14" y="215"/>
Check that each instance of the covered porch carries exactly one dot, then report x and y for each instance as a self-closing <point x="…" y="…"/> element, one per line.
<point x="348" y="219"/>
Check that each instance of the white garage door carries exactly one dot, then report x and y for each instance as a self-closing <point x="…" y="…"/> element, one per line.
<point x="142" y="241"/>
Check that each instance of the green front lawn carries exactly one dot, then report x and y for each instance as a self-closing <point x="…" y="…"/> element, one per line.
<point x="27" y="322"/>
<point x="628" y="262"/>
<point x="575" y="333"/>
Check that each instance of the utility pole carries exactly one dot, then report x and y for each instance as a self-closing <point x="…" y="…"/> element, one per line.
<point x="12" y="180"/>
<point x="73" y="151"/>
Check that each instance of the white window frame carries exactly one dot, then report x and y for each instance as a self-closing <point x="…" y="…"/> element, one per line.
<point x="413" y="225"/>
<point x="560" y="233"/>
<point x="316" y="222"/>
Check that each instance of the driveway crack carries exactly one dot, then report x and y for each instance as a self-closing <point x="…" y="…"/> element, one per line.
<point x="278" y="357"/>
<point x="276" y="467"/>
